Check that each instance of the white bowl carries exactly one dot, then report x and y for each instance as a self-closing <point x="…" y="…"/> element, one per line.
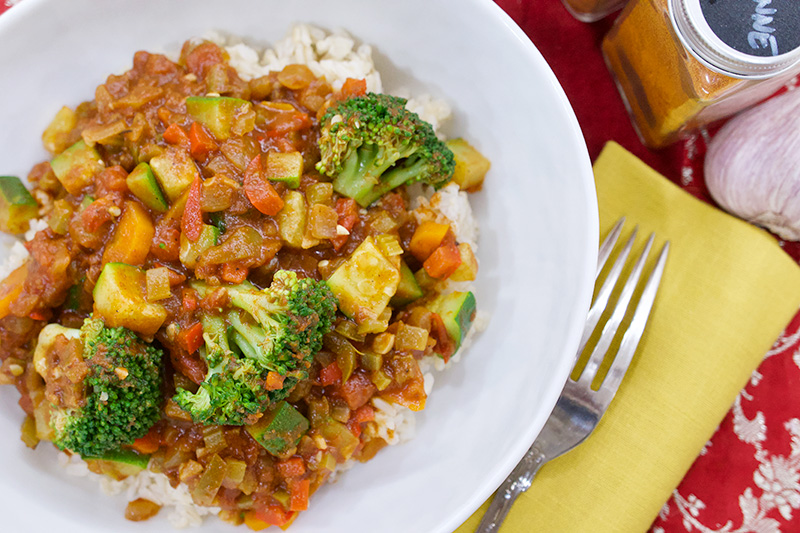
<point x="538" y="216"/>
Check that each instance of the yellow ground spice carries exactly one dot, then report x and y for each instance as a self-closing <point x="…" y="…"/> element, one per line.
<point x="667" y="91"/>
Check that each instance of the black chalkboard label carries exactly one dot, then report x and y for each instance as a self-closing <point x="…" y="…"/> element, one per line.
<point x="755" y="27"/>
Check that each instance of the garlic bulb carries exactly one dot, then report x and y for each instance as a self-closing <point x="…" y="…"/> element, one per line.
<point x="752" y="168"/>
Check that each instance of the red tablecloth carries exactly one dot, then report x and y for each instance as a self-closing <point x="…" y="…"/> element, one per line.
<point x="747" y="479"/>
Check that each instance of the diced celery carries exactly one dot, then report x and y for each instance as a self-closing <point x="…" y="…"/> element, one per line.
<point x="210" y="481"/>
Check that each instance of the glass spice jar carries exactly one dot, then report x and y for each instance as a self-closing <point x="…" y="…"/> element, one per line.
<point x="592" y="10"/>
<point x="682" y="64"/>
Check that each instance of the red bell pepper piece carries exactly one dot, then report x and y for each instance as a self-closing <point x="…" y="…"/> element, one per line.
<point x="330" y="374"/>
<point x="191" y="338"/>
<point x="347" y="208"/>
<point x="274" y="514"/>
<point x="192" y="221"/>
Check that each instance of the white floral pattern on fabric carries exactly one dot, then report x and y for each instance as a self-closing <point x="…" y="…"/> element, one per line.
<point x="774" y="491"/>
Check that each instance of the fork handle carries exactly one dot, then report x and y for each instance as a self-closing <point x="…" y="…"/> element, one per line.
<point x="515" y="484"/>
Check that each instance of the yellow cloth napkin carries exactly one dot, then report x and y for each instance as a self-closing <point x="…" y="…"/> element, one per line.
<point x="727" y="293"/>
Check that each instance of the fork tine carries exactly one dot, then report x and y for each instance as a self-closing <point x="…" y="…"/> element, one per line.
<point x="610" y="328"/>
<point x="604" y="293"/>
<point x="608" y="244"/>
<point x="631" y="338"/>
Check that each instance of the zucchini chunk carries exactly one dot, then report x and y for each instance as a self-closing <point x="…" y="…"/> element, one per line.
<point x="408" y="290"/>
<point x="365" y="282"/>
<point x="76" y="166"/>
<point x="17" y="206"/>
<point x="143" y="184"/>
<point x="217" y="113"/>
<point x="191" y="251"/>
<point x="119" y="464"/>
<point x="457" y="310"/>
<point x="471" y="165"/>
<point x="285" y="167"/>
<point x="120" y="299"/>
<point x="280" y="429"/>
<point x="175" y="170"/>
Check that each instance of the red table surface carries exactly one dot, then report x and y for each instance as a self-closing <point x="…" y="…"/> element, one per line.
<point x="747" y="478"/>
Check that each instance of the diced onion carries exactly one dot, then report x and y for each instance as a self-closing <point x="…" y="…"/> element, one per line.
<point x="411" y="338"/>
<point x="319" y="193"/>
<point x="103" y="132"/>
<point x="383" y="343"/>
<point x="210" y="481"/>
<point x="322" y="221"/>
<point x="296" y="76"/>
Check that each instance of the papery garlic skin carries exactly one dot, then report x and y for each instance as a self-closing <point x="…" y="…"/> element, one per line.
<point x="752" y="168"/>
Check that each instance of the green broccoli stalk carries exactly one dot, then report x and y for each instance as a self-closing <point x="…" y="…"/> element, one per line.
<point x="372" y="144"/>
<point x="104" y="385"/>
<point x="277" y="329"/>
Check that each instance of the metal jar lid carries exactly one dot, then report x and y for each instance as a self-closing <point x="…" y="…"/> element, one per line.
<point x="750" y="39"/>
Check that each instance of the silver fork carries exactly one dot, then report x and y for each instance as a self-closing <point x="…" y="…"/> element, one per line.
<point x="579" y="408"/>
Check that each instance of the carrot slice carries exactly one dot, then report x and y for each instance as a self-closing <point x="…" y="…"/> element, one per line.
<point x="174" y="134"/>
<point x="147" y="444"/>
<point x="427" y="237"/>
<point x="259" y="191"/>
<point x="298" y="491"/>
<point x="292" y="467"/>
<point x="330" y="374"/>
<point x="132" y="237"/>
<point x="200" y="142"/>
<point x="443" y="261"/>
<point x="353" y="87"/>
<point x="11" y="288"/>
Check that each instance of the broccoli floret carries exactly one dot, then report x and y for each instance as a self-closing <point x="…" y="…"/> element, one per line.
<point x="371" y="144"/>
<point x="104" y="386"/>
<point x="277" y="329"/>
